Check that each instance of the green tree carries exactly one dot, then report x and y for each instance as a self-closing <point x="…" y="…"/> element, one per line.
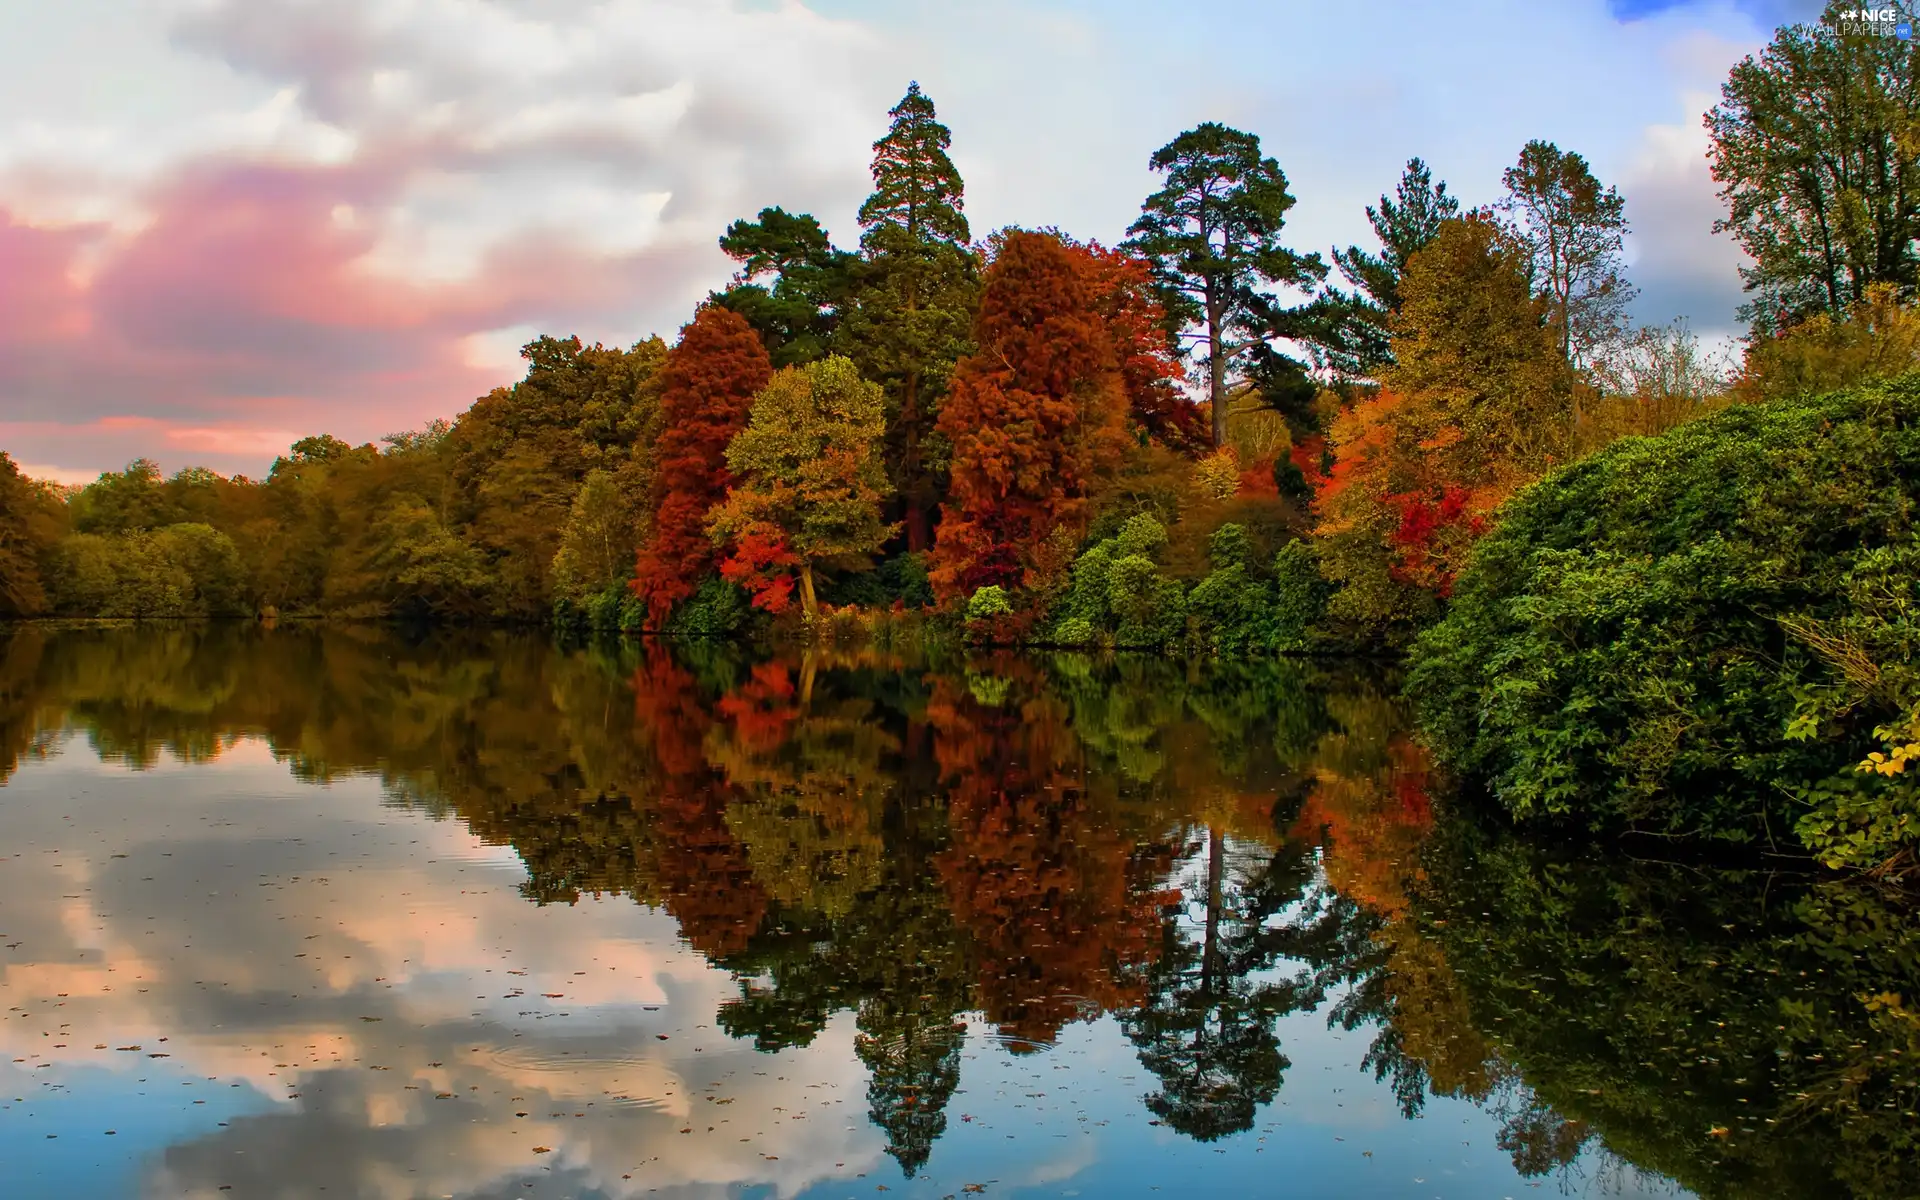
<point x="808" y="470"/>
<point x="1212" y="234"/>
<point x="917" y="289"/>
<point x="1573" y="230"/>
<point x="1816" y="147"/>
<point x="1403" y="224"/>
<point x="596" y="548"/>
<point x="812" y="283"/>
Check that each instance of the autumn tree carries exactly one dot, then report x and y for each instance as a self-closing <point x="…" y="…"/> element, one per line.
<point x="597" y="544"/>
<point x="809" y="472"/>
<point x="793" y="285"/>
<point x="1477" y="404"/>
<point x="1403" y="224"/>
<point x="1147" y="351"/>
<point x="707" y="387"/>
<point x="1816" y="148"/>
<point x="1036" y="415"/>
<point x="916" y="289"/>
<point x="30" y="522"/>
<point x="1573" y="230"/>
<point x="1212" y="233"/>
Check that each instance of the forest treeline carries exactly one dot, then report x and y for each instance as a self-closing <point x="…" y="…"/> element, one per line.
<point x="1203" y="437"/>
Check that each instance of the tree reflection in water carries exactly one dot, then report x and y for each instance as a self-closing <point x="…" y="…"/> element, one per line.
<point x="1019" y="844"/>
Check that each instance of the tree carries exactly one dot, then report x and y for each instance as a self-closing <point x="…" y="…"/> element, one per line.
<point x="1476" y="405"/>
<point x="1036" y="416"/>
<point x="916" y="291"/>
<point x="1816" y="147"/>
<point x="30" y="524"/>
<point x="1147" y="351"/>
<point x="707" y="386"/>
<point x="1403" y="224"/>
<point x="812" y="283"/>
<point x="596" y="546"/>
<point x="1212" y="234"/>
<point x="809" y="470"/>
<point x="1573" y="230"/>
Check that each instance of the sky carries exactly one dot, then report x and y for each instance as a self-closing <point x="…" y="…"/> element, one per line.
<point x="226" y="224"/>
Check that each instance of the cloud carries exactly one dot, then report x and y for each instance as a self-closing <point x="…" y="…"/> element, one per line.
<point x="415" y="178"/>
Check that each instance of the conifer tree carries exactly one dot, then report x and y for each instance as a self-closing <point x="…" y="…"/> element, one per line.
<point x="707" y="386"/>
<point x="1360" y="345"/>
<point x="916" y="294"/>
<point x="1212" y="234"/>
<point x="797" y="312"/>
<point x="1037" y="413"/>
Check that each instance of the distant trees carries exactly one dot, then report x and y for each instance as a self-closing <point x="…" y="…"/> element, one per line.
<point x="1212" y="235"/>
<point x="31" y="522"/>
<point x="1816" y="147"/>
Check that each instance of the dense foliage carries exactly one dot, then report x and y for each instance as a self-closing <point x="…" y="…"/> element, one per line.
<point x="1699" y="633"/>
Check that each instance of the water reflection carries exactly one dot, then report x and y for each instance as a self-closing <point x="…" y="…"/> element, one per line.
<point x="1042" y="923"/>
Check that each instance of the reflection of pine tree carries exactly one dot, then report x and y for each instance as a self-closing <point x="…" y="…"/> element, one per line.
<point x="913" y="1050"/>
<point x="1207" y="1030"/>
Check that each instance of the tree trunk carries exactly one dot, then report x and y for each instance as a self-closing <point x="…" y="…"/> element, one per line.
<point x="808" y="604"/>
<point x="1216" y="373"/>
<point x="1210" y="951"/>
<point x="915" y="512"/>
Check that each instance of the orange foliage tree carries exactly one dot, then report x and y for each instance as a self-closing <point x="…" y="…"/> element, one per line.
<point x="1477" y="404"/>
<point x="1147" y="355"/>
<point x="1060" y="906"/>
<point x="707" y="388"/>
<point x="1035" y="415"/>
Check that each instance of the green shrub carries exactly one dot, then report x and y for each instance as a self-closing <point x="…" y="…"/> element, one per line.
<point x="1668" y="634"/>
<point x="1300" y="596"/>
<point x="718" y="609"/>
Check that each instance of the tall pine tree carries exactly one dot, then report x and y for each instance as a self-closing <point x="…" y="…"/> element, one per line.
<point x="1212" y="234"/>
<point x="917" y="288"/>
<point x="1360" y="331"/>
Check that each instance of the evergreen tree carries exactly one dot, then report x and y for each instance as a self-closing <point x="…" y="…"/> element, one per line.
<point x="1212" y="234"/>
<point x="812" y="283"/>
<point x="917" y="287"/>
<point x="1359" y="345"/>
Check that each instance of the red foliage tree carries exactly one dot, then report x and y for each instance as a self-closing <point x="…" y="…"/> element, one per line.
<point x="703" y="875"/>
<point x="1147" y="355"/>
<point x="1059" y="904"/>
<point x="707" y="386"/>
<point x="1034" y="416"/>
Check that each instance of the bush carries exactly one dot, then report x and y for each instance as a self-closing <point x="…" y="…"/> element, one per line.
<point x="1300" y="596"/>
<point x="717" y="609"/>
<point x="1696" y="633"/>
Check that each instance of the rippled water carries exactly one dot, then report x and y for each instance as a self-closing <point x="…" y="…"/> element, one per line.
<point x="293" y="913"/>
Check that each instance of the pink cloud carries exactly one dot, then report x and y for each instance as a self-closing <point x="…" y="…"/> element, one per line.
<point x="243" y="314"/>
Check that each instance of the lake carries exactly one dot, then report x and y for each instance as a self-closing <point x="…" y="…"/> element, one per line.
<point x="350" y="913"/>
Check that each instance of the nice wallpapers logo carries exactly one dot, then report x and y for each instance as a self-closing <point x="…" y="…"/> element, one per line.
<point x="1887" y="20"/>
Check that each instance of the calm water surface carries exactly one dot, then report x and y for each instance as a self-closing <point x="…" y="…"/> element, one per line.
<point x="294" y="913"/>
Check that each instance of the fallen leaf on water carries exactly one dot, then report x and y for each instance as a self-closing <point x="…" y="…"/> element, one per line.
<point x="543" y="1149"/>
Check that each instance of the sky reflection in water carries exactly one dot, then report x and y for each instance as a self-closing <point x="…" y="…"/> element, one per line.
<point x="297" y="914"/>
